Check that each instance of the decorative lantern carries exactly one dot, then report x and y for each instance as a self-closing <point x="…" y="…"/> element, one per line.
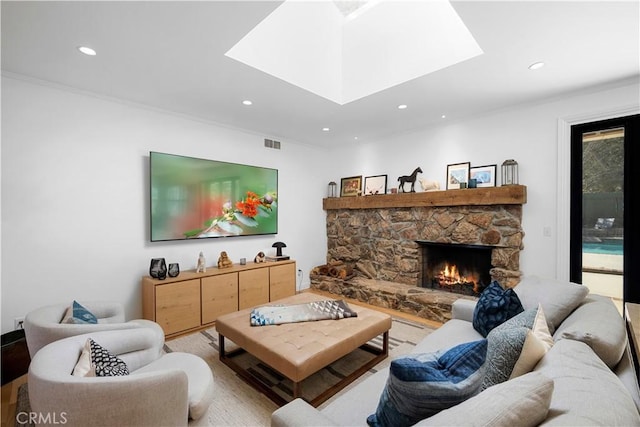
<point x="510" y="172"/>
<point x="333" y="188"/>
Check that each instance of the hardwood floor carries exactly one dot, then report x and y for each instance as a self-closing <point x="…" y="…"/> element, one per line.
<point x="10" y="399"/>
<point x="10" y="390"/>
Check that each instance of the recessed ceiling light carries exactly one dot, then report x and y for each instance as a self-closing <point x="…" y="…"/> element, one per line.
<point x="355" y="137"/>
<point x="536" y="65"/>
<point x="87" y="50"/>
<point x="247" y="102"/>
<point x="402" y="106"/>
<point x="444" y="116"/>
<point x="325" y="129"/>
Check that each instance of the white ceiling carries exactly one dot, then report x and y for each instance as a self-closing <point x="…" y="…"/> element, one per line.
<point x="171" y="55"/>
<point x="314" y="46"/>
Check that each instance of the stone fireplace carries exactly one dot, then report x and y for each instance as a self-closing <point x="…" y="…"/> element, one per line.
<point x="382" y="238"/>
<point x="462" y="269"/>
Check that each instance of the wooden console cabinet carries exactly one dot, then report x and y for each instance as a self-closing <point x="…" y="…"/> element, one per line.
<point x="194" y="301"/>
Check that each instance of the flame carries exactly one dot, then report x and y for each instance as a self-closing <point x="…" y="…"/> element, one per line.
<point x="450" y="275"/>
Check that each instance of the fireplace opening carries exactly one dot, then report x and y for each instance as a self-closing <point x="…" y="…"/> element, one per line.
<point x="462" y="269"/>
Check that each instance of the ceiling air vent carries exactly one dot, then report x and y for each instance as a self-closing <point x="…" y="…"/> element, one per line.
<point x="270" y="143"/>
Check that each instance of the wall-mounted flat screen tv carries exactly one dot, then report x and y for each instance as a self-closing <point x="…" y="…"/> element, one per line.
<point x="196" y="198"/>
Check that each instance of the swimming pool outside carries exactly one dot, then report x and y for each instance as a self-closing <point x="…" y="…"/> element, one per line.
<point x="606" y="247"/>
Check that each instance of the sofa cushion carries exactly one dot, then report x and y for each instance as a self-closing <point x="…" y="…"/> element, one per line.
<point x="495" y="306"/>
<point x="77" y="313"/>
<point x="597" y="323"/>
<point x="558" y="298"/>
<point x="515" y="347"/>
<point x="299" y="412"/>
<point x="586" y="391"/>
<point x="420" y="385"/>
<point x="341" y="409"/>
<point x="449" y="335"/>
<point x="523" y="402"/>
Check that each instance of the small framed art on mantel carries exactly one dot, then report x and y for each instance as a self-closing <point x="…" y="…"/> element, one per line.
<point x="485" y="176"/>
<point x="457" y="175"/>
<point x="375" y="185"/>
<point x="351" y="186"/>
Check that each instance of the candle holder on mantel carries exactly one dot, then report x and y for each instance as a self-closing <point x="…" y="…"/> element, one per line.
<point x="509" y="172"/>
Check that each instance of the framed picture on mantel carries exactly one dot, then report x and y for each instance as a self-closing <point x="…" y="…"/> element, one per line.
<point x="485" y="176"/>
<point x="375" y="185"/>
<point x="351" y="186"/>
<point x="457" y="175"/>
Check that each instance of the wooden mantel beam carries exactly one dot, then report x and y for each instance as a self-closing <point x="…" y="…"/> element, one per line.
<point x="507" y="195"/>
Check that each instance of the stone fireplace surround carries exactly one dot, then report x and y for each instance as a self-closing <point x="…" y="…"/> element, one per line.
<point x="376" y="236"/>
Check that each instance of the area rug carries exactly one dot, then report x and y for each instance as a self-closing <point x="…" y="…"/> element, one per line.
<point x="239" y="404"/>
<point x="23" y="407"/>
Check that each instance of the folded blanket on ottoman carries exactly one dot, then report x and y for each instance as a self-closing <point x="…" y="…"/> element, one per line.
<point x="317" y="310"/>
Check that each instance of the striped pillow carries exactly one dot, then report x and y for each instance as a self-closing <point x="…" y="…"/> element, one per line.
<point x="421" y="385"/>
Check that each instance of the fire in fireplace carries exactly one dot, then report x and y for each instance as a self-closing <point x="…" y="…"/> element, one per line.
<point x="450" y="277"/>
<point x="463" y="269"/>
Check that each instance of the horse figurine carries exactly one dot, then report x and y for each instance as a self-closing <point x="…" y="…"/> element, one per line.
<point x="410" y="178"/>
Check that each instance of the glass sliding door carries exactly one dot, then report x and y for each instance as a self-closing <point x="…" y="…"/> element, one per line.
<point x="602" y="211"/>
<point x="601" y="178"/>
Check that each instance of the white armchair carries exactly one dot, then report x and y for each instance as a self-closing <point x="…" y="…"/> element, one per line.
<point x="161" y="389"/>
<point x="42" y="325"/>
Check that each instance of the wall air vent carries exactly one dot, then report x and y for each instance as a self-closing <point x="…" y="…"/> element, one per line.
<point x="270" y="143"/>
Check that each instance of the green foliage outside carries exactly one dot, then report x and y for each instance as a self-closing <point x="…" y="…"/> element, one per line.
<point x="603" y="166"/>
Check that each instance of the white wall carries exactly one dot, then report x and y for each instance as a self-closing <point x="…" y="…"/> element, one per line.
<point x="528" y="134"/>
<point x="75" y="197"/>
<point x="75" y="183"/>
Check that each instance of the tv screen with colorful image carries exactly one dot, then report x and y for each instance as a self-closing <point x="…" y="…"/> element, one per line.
<point x="195" y="198"/>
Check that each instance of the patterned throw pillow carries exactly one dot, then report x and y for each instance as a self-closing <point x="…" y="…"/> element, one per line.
<point x="106" y="364"/>
<point x="515" y="347"/>
<point x="96" y="361"/>
<point x="79" y="314"/>
<point x="421" y="385"/>
<point x="495" y="306"/>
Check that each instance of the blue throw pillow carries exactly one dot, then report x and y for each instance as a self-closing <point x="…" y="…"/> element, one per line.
<point x="495" y="306"/>
<point x="421" y="385"/>
<point x="79" y="314"/>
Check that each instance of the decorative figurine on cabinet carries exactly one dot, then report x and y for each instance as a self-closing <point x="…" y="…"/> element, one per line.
<point x="201" y="268"/>
<point x="224" y="261"/>
<point x="260" y="258"/>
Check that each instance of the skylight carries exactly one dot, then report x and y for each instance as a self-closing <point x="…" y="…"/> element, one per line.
<point x="347" y="50"/>
<point x="347" y="7"/>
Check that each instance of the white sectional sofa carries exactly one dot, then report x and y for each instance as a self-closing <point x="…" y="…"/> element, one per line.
<point x="586" y="378"/>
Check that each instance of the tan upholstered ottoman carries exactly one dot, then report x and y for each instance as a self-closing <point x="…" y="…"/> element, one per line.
<point x="298" y="350"/>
